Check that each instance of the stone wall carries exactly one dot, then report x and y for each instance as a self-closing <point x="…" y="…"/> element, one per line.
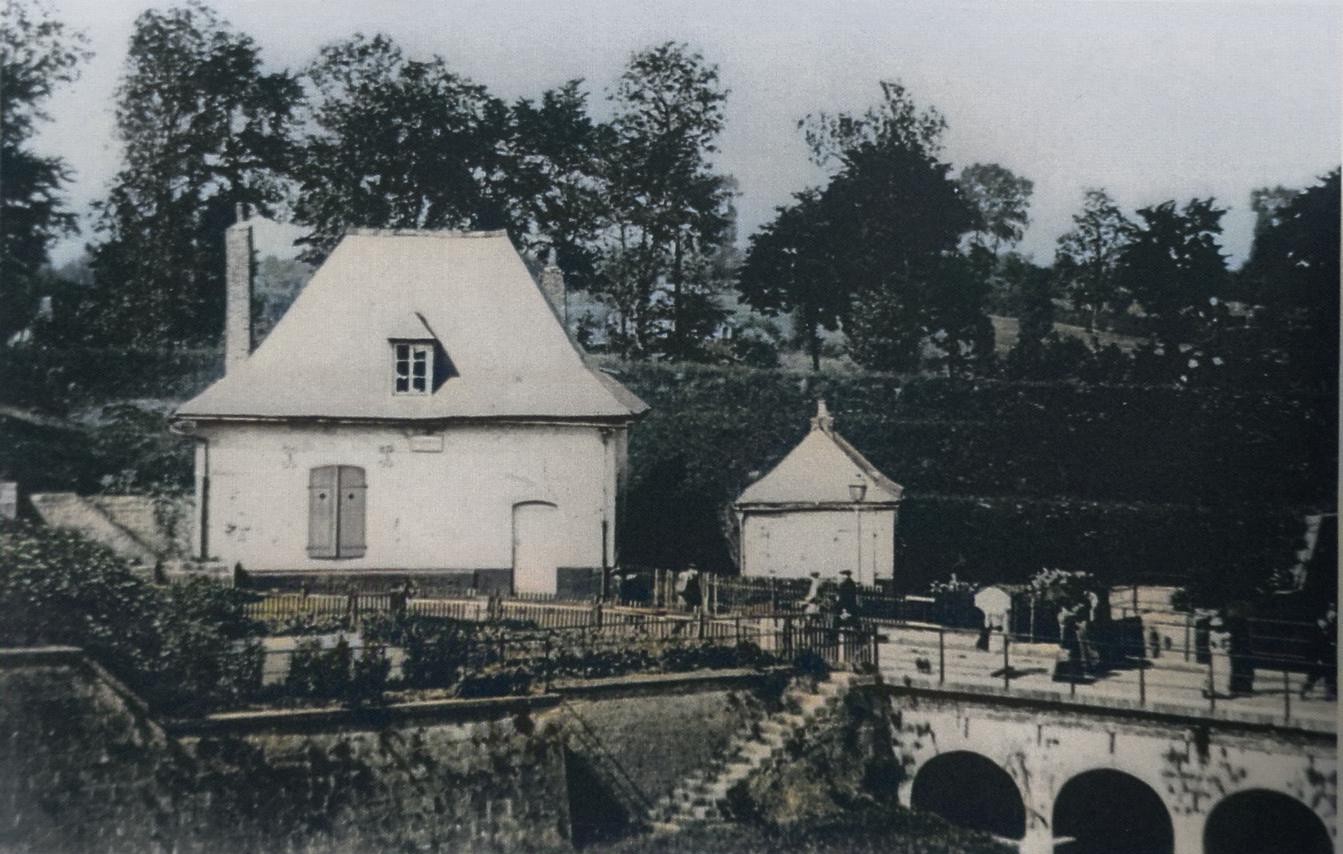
<point x="83" y="768"/>
<point x="1190" y="765"/>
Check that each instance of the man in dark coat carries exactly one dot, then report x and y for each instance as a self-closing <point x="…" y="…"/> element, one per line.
<point x="847" y="600"/>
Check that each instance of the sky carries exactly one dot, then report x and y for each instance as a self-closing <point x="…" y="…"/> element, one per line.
<point x="1151" y="100"/>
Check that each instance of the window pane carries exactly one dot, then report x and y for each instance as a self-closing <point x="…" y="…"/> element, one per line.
<point x="402" y="351"/>
<point x="402" y="384"/>
<point x="419" y="369"/>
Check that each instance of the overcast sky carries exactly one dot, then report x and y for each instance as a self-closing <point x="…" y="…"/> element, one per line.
<point x="1150" y="100"/>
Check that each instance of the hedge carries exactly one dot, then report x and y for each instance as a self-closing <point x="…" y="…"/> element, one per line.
<point x="1001" y="477"/>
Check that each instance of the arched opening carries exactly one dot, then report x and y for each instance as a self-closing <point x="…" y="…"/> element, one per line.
<point x="536" y="540"/>
<point x="971" y="791"/>
<point x="1110" y="812"/>
<point x="1258" y="821"/>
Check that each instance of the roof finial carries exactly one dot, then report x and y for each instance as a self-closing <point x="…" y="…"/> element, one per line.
<point x="823" y="420"/>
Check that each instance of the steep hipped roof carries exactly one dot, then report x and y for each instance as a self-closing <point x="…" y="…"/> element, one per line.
<point x="329" y="356"/>
<point x="818" y="472"/>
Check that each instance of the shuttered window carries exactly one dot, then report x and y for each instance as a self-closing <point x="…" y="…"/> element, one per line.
<point x="336" y="512"/>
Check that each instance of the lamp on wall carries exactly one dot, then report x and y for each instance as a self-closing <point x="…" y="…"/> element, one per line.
<point x="857" y="489"/>
<point x="857" y="492"/>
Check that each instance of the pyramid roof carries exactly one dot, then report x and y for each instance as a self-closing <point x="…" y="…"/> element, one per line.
<point x="819" y="471"/>
<point x="330" y="356"/>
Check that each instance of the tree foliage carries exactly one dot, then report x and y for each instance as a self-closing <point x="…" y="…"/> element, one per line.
<point x="38" y="54"/>
<point x="876" y="249"/>
<point x="793" y="264"/>
<point x="1002" y="199"/>
<point x="1173" y="266"/>
<point x="668" y="212"/>
<point x="397" y="143"/>
<point x="1293" y="271"/>
<point x="1087" y="258"/>
<point x="204" y="129"/>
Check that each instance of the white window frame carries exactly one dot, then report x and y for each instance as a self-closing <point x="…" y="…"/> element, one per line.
<point x="407" y="357"/>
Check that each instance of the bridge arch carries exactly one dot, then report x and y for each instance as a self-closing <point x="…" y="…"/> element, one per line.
<point x="970" y="790"/>
<point x="1104" y="811"/>
<point x="1257" y="821"/>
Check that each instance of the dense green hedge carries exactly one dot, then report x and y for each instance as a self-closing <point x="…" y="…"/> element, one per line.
<point x="1002" y="478"/>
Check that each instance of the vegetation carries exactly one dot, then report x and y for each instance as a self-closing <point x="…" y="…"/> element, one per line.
<point x="871" y="829"/>
<point x="186" y="647"/>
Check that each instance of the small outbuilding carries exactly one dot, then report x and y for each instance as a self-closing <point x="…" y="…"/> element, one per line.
<point x="823" y="508"/>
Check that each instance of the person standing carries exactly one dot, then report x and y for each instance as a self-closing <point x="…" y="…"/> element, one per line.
<point x="811" y="603"/>
<point x="1324" y="655"/>
<point x="847" y="600"/>
<point x="690" y="593"/>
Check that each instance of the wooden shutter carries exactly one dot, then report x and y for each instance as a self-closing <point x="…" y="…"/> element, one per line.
<point x="322" y="500"/>
<point x="351" y="525"/>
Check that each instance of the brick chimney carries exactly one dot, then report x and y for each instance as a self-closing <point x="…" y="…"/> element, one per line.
<point x="552" y="285"/>
<point x="238" y="291"/>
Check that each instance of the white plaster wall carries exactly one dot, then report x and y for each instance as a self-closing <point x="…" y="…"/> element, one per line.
<point x="446" y="510"/>
<point x="794" y="543"/>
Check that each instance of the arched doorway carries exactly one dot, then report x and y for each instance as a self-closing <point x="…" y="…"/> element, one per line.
<point x="1110" y="812"/>
<point x="971" y="791"/>
<point x="536" y="539"/>
<point x="1258" y="821"/>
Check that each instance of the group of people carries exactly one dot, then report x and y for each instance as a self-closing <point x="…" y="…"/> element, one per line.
<point x="690" y="592"/>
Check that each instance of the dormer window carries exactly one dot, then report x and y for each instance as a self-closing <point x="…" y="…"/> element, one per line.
<point x="413" y="367"/>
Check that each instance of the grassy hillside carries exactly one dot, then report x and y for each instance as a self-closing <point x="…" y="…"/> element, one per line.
<point x="1002" y="477"/>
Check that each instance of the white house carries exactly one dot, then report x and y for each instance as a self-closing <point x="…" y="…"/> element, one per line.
<point x="419" y="411"/>
<point x="823" y="508"/>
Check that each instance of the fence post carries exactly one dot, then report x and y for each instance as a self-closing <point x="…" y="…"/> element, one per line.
<point x="941" y="656"/>
<point x="1212" y="684"/>
<point x="1188" y="620"/>
<point x="1007" y="663"/>
<point x="1142" y="681"/>
<point x="1286" y="698"/>
<point x="547" y="663"/>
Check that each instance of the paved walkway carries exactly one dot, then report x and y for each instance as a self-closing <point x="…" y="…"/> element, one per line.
<point x="1168" y="684"/>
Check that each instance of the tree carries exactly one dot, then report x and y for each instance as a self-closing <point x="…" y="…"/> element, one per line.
<point x="204" y="130"/>
<point x="1087" y="257"/>
<point x="555" y="149"/>
<point x="37" y="55"/>
<point x="895" y="220"/>
<point x="1293" y="270"/>
<point x="1174" y="267"/>
<point x="668" y="212"/>
<point x="397" y="143"/>
<point x="1001" y="199"/>
<point x="791" y="266"/>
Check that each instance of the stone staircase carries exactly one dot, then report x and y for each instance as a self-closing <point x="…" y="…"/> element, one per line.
<point x="703" y="795"/>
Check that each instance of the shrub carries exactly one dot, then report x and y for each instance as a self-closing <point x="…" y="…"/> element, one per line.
<point x="317" y="672"/>
<point x="185" y="647"/>
<point x="369" y="677"/>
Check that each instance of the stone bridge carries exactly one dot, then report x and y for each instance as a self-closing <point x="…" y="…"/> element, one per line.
<point x="1063" y="777"/>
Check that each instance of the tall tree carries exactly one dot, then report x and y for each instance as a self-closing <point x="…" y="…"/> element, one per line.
<point x="397" y="143"/>
<point x="1294" y="271"/>
<point x="668" y="210"/>
<point x="792" y="266"/>
<point x="1174" y="267"/>
<point x="1002" y="200"/>
<point x="554" y="156"/>
<point x="204" y="129"/>
<point x="38" y="54"/>
<point x="896" y="219"/>
<point x="1087" y="257"/>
